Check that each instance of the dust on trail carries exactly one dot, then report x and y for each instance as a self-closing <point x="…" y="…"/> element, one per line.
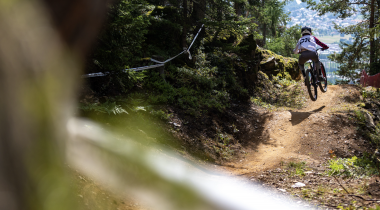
<point x="280" y="139"/>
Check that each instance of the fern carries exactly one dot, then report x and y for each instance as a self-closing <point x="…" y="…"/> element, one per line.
<point x="103" y="108"/>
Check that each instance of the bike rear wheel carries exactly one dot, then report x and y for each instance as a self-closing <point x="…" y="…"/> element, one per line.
<point x="311" y="85"/>
<point x="323" y="83"/>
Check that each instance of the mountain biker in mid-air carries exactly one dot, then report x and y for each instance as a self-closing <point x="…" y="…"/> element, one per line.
<point x="307" y="46"/>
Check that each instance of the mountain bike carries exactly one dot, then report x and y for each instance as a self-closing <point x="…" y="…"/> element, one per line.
<point x="312" y="80"/>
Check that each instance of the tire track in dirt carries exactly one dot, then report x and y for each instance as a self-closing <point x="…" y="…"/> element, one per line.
<point x="281" y="136"/>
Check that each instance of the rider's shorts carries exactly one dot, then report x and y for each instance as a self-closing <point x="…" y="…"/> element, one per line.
<point x="308" y="55"/>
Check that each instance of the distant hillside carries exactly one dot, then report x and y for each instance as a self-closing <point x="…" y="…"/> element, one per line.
<point x="321" y="25"/>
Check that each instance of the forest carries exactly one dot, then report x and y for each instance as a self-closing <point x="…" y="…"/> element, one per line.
<point x="241" y="55"/>
<point x="182" y="104"/>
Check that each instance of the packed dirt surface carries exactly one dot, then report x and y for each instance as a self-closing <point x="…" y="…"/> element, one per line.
<point x="307" y="134"/>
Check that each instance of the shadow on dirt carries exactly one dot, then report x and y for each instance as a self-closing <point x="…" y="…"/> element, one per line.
<point x="298" y="117"/>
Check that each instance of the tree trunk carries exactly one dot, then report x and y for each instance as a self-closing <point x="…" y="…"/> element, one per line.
<point x="264" y="25"/>
<point x="184" y="24"/>
<point x="237" y="7"/>
<point x="199" y="13"/>
<point x="371" y="40"/>
<point x="264" y="33"/>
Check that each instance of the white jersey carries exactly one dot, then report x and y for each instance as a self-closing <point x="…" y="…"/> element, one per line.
<point x="306" y="43"/>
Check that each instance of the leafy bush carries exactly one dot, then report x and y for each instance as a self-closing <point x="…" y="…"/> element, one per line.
<point x="223" y="143"/>
<point x="353" y="167"/>
<point x="211" y="85"/>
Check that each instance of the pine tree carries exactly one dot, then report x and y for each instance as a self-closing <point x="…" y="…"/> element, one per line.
<point x="364" y="50"/>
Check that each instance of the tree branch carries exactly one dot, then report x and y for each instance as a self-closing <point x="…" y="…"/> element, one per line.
<point x="341" y="185"/>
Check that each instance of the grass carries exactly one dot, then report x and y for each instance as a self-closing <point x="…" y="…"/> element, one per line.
<point x="297" y="168"/>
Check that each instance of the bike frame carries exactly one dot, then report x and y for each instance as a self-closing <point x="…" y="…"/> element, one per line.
<point x="315" y="70"/>
<point x="312" y="79"/>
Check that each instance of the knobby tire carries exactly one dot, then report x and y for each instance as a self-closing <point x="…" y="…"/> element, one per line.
<point x="311" y="85"/>
<point x="323" y="83"/>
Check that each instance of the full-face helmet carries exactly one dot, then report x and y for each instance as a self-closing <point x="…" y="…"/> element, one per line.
<point x="305" y="30"/>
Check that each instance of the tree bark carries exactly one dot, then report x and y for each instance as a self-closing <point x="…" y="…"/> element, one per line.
<point x="184" y="24"/>
<point x="264" y="25"/>
<point x="371" y="40"/>
<point x="199" y="13"/>
<point x="237" y="8"/>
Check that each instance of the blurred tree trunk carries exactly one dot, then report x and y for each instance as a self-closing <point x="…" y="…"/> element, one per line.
<point x="39" y="72"/>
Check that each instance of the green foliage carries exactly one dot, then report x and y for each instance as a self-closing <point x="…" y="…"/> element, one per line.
<point x="366" y="47"/>
<point x="212" y="85"/>
<point x="222" y="147"/>
<point x="259" y="102"/>
<point x="361" y="120"/>
<point x="190" y="90"/>
<point x="297" y="168"/>
<point x="284" y="79"/>
<point x="269" y="16"/>
<point x="160" y="114"/>
<point x="120" y="45"/>
<point x="216" y="76"/>
<point x="286" y="93"/>
<point x="137" y="30"/>
<point x="353" y="167"/>
<point x="370" y="93"/>
<point x="164" y="32"/>
<point x="104" y="108"/>
<point x="283" y="44"/>
<point x="354" y="56"/>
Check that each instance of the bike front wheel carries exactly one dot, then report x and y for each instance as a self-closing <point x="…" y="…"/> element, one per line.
<point x="311" y="85"/>
<point x="323" y="82"/>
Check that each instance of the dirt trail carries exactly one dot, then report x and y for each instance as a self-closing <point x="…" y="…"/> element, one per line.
<point x="282" y="135"/>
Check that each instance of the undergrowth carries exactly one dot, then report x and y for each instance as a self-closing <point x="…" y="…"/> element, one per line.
<point x="223" y="146"/>
<point x="280" y="91"/>
<point x="297" y="168"/>
<point x="353" y="167"/>
<point x="109" y="107"/>
<point x="374" y="133"/>
<point x="369" y="93"/>
<point x="210" y="85"/>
